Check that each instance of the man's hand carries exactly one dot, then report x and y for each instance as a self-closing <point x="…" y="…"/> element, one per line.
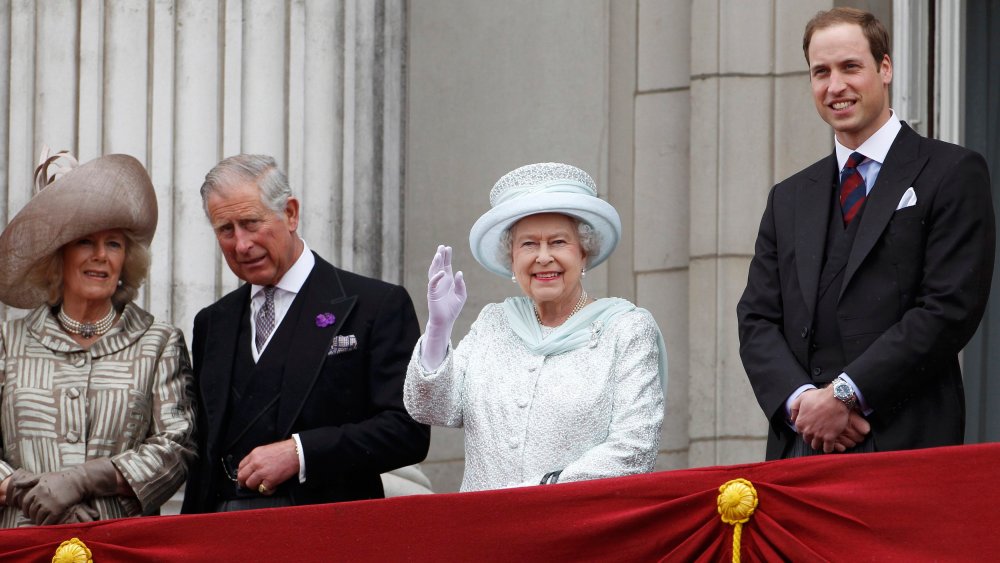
<point x="269" y="465"/>
<point x="820" y="418"/>
<point x="854" y="434"/>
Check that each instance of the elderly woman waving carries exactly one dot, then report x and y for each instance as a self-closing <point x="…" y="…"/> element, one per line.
<point x="552" y="386"/>
<point x="95" y="409"/>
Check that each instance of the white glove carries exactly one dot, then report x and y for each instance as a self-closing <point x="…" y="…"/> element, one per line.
<point x="445" y="298"/>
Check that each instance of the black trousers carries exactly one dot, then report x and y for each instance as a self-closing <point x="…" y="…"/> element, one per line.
<point x="252" y="503"/>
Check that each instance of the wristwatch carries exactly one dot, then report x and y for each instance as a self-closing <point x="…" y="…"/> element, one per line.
<point x="843" y="392"/>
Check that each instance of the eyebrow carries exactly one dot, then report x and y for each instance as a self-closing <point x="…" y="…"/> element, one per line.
<point x="558" y="234"/>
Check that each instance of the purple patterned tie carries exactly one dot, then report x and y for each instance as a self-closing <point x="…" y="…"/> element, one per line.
<point x="852" y="187"/>
<point x="265" y="318"/>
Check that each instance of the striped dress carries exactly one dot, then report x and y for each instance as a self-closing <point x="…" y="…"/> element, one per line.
<point x="128" y="397"/>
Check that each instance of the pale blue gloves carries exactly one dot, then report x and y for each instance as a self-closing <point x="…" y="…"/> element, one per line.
<point x="445" y="297"/>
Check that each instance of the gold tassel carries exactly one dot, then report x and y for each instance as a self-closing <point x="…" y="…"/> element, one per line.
<point x="737" y="501"/>
<point x="72" y="551"/>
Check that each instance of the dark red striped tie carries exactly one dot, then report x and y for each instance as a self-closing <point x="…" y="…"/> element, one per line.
<point x="852" y="187"/>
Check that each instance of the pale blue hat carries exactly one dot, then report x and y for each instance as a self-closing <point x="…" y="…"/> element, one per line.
<point x="547" y="187"/>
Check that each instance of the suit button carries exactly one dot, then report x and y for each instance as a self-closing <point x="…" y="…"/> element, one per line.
<point x="513" y="443"/>
<point x="73" y="392"/>
<point x="817" y="371"/>
<point x="72" y="437"/>
<point x="522" y="402"/>
<point x="805" y="332"/>
<point x="532" y="369"/>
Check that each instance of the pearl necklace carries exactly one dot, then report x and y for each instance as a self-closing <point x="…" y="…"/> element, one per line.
<point x="87" y="330"/>
<point x="576" y="308"/>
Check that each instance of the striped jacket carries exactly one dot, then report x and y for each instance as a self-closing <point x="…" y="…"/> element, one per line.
<point x="128" y="397"/>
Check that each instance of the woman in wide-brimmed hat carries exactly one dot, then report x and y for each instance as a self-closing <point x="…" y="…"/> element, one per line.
<point x="95" y="410"/>
<point x="554" y="385"/>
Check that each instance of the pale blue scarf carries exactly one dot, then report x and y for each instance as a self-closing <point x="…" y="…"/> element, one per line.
<point x="578" y="330"/>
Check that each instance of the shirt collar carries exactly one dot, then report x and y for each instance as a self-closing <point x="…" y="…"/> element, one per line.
<point x="295" y="276"/>
<point x="875" y="147"/>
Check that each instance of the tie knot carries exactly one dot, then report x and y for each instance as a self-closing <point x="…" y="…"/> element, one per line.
<point x="855" y="160"/>
<point x="269" y="292"/>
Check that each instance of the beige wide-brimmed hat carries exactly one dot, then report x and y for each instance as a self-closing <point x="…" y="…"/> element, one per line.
<point x="110" y="192"/>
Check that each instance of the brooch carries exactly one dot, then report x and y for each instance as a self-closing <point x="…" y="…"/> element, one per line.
<point x="595" y="333"/>
<point x="324" y="320"/>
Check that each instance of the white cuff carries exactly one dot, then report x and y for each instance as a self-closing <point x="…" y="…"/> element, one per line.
<point x="302" y="458"/>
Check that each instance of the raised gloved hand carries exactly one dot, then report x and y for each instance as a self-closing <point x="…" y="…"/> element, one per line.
<point x="59" y="492"/>
<point x="18" y="485"/>
<point x="445" y="297"/>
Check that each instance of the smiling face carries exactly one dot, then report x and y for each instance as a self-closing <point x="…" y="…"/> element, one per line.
<point x="92" y="266"/>
<point x="850" y="89"/>
<point x="259" y="244"/>
<point x="547" y="258"/>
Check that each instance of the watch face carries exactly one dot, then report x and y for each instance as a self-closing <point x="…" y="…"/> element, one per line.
<point x="842" y="390"/>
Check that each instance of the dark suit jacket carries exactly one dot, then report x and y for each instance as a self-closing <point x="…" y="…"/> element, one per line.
<point x="914" y="290"/>
<point x="347" y="408"/>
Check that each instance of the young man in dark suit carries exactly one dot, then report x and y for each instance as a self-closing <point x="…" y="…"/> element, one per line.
<point x="299" y="372"/>
<point x="871" y="270"/>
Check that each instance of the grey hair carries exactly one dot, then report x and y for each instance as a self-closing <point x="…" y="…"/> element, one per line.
<point x="259" y="169"/>
<point x="590" y="241"/>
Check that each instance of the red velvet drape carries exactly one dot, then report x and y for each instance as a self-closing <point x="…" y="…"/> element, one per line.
<point x="939" y="504"/>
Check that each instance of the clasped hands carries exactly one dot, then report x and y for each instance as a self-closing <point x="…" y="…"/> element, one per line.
<point x="825" y="423"/>
<point x="57" y="497"/>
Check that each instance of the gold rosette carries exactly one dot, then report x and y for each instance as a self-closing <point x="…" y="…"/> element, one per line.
<point x="736" y="504"/>
<point x="72" y="551"/>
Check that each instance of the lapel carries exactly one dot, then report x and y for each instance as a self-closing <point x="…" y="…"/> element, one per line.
<point x="217" y="371"/>
<point x="902" y="165"/>
<point x="323" y="293"/>
<point x="812" y="213"/>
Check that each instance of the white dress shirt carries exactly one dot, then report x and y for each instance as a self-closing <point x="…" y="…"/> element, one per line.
<point x="285" y="291"/>
<point x="875" y="148"/>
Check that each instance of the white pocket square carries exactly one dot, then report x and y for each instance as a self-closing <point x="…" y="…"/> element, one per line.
<point x="909" y="199"/>
<point x="342" y="343"/>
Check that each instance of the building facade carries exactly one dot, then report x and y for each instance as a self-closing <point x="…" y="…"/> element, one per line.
<point x="394" y="119"/>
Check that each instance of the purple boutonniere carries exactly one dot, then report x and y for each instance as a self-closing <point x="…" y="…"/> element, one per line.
<point x="324" y="320"/>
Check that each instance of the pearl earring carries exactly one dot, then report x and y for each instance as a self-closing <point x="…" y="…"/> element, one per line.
<point x="513" y="278"/>
<point x="583" y="273"/>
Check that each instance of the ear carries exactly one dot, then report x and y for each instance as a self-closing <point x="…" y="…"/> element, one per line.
<point x="885" y="69"/>
<point x="292" y="213"/>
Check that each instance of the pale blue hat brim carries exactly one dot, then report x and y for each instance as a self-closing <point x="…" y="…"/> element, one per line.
<point x="484" y="238"/>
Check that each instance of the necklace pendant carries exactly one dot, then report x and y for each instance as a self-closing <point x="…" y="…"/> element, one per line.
<point x="88" y="330"/>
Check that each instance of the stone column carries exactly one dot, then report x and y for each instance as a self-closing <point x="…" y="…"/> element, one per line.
<point x="661" y="220"/>
<point x="181" y="84"/>
<point x="752" y="124"/>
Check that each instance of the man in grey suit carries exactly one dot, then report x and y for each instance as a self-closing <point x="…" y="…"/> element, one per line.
<point x="871" y="270"/>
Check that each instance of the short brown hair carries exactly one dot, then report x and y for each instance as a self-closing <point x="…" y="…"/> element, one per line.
<point x="875" y="32"/>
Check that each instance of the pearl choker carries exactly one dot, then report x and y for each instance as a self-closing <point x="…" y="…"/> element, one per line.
<point x="87" y="330"/>
<point x="576" y="309"/>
